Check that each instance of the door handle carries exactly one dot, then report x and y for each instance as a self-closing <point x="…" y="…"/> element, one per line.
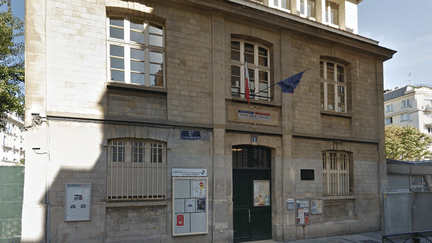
<point x="249" y="215"/>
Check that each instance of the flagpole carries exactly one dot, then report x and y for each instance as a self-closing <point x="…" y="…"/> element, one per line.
<point x="274" y="84"/>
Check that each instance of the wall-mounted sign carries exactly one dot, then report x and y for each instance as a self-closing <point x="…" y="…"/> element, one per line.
<point x="261" y="193"/>
<point x="188" y="172"/>
<point x="290" y="203"/>
<point x="190" y="135"/>
<point x="254" y="139"/>
<point x="262" y="116"/>
<point x="302" y="212"/>
<point x="78" y="201"/>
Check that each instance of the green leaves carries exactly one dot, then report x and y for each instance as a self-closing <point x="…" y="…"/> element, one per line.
<point x="406" y="143"/>
<point x="11" y="62"/>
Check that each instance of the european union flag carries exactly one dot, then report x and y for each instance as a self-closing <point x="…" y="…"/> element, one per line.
<point x="289" y="84"/>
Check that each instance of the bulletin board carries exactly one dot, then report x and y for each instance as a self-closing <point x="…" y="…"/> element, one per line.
<point x="316" y="206"/>
<point x="190" y="211"/>
<point x="77" y="205"/>
<point x="302" y="211"/>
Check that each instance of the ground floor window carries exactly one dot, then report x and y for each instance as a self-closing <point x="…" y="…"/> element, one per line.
<point x="136" y="169"/>
<point x="336" y="173"/>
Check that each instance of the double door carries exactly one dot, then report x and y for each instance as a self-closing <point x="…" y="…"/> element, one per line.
<point x="252" y="204"/>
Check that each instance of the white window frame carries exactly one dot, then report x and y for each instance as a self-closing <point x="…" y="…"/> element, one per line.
<point x="327" y="82"/>
<point x="305" y="12"/>
<point x="127" y="44"/>
<point x="252" y="66"/>
<point x="328" y="14"/>
<point x="406" y="103"/>
<point x="405" y="117"/>
<point x="389" y="108"/>
<point x="278" y="4"/>
<point x="389" y="120"/>
<point x="134" y="176"/>
<point x="336" y="173"/>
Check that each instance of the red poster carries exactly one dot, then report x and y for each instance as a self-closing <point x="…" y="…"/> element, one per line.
<point x="180" y="220"/>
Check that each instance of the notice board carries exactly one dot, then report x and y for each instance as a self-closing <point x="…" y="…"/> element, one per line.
<point x="190" y="214"/>
<point x="302" y="211"/>
<point x="77" y="204"/>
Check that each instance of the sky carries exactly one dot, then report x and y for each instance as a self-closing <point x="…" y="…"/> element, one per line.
<point x="406" y="27"/>
<point x="401" y="25"/>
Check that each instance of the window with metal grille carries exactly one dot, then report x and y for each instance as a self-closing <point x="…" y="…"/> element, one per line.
<point x="336" y="173"/>
<point x="246" y="157"/>
<point x="136" y="51"/>
<point x="136" y="169"/>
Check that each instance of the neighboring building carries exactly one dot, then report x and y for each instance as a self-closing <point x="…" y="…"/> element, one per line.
<point x="12" y="149"/>
<point x="130" y="95"/>
<point x="409" y="106"/>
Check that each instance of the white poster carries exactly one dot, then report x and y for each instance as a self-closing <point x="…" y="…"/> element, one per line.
<point x="261" y="193"/>
<point x="190" y="205"/>
<point x="198" y="188"/>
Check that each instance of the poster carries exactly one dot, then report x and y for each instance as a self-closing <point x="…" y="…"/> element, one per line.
<point x="302" y="213"/>
<point x="261" y="193"/>
<point x="290" y="204"/>
<point x="180" y="220"/>
<point x="317" y="206"/>
<point x="198" y="188"/>
<point x="190" y="205"/>
<point x="201" y="205"/>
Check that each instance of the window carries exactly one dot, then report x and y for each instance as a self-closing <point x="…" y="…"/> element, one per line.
<point x="389" y="108"/>
<point x="429" y="129"/>
<point x="405" y="117"/>
<point x="332" y="13"/>
<point x="257" y="59"/>
<point x="419" y="183"/>
<point x="136" y="51"/>
<point x="307" y="8"/>
<point x="336" y="171"/>
<point x="389" y="120"/>
<point x="281" y="4"/>
<point x="405" y="103"/>
<point x="333" y="87"/>
<point x="136" y="169"/>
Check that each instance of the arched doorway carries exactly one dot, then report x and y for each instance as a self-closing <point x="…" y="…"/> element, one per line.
<point x="251" y="193"/>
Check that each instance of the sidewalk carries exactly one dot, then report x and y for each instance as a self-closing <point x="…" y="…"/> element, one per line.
<point x="372" y="237"/>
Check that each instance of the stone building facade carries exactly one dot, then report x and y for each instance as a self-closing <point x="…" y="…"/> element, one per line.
<point x="122" y="94"/>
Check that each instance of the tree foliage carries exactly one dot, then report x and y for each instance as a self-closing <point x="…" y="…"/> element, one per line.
<point x="406" y="143"/>
<point x="11" y="61"/>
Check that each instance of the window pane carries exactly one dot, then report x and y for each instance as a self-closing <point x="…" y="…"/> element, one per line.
<point x="340" y="74"/>
<point x="330" y="97"/>
<point x="235" y="45"/>
<point x="155" y="29"/>
<point x="137" y="25"/>
<point x="311" y="8"/>
<point x="155" y="40"/>
<point x="137" y="66"/>
<point x="117" y="63"/>
<point x="156" y="57"/>
<point x="262" y="51"/>
<point x="285" y="4"/>
<point x="263" y="75"/>
<point x="117" y="51"/>
<point x="235" y="91"/>
<point x="322" y="69"/>
<point x="137" y="54"/>
<point x="117" y="22"/>
<point x="116" y="33"/>
<point x="330" y="71"/>
<point x="322" y="95"/>
<point x="235" y="55"/>
<point x="235" y="81"/>
<point x="138" y="78"/>
<point x="249" y="48"/>
<point x="117" y="75"/>
<point x="302" y="7"/>
<point x="137" y="36"/>
<point x="156" y="80"/>
<point x="262" y="86"/>
<point x="156" y="69"/>
<point x="235" y="71"/>
<point x="249" y="58"/>
<point x="263" y="61"/>
<point x="251" y="74"/>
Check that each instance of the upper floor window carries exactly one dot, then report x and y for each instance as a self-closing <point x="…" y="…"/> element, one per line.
<point x="136" y="51"/>
<point x="136" y="169"/>
<point x="281" y="4"/>
<point x="405" y="117"/>
<point x="307" y="8"/>
<point x="389" y="120"/>
<point x="257" y="58"/>
<point x="405" y="103"/>
<point x="333" y="86"/>
<point x="389" y="108"/>
<point x="332" y="13"/>
<point x="429" y="129"/>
